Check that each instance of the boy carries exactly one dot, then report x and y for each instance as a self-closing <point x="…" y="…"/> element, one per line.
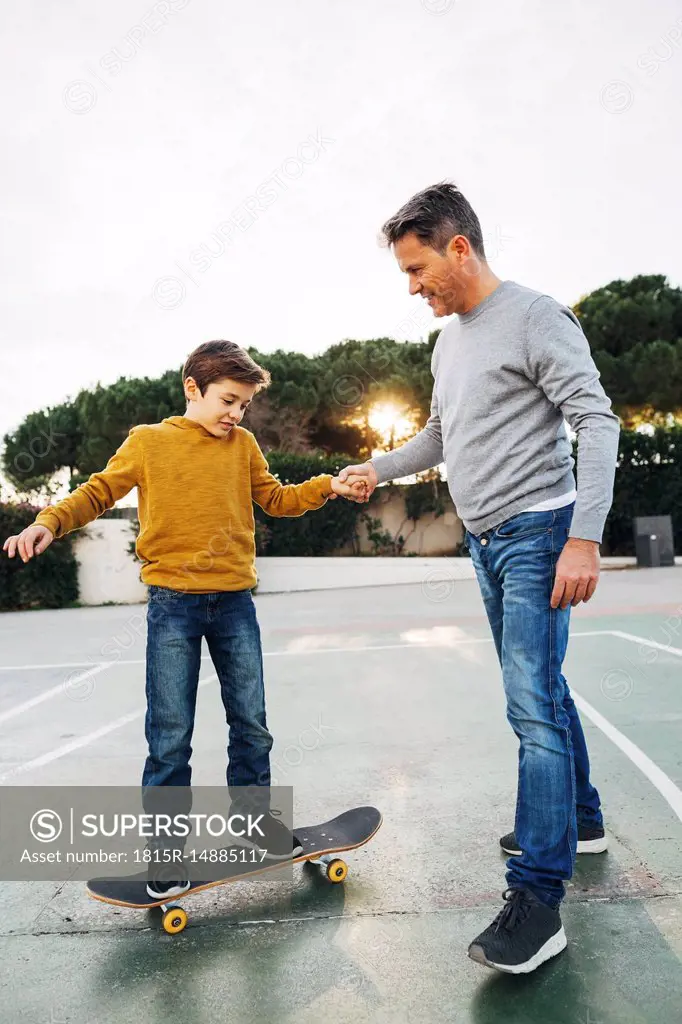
<point x="197" y="476"/>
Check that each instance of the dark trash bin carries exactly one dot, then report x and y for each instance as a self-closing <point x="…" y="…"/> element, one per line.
<point x="654" y="541"/>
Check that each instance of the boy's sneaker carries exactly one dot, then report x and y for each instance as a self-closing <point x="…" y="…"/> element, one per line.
<point x="524" y="934"/>
<point x="277" y="841"/>
<point x="590" y="840"/>
<point x="160" y="889"/>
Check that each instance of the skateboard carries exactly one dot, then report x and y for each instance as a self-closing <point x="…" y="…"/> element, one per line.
<point x="320" y="843"/>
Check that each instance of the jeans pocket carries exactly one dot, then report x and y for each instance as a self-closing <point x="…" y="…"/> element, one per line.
<point x="162" y="593"/>
<point x="525" y="524"/>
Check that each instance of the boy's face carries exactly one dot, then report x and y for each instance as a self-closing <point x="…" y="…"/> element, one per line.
<point x="221" y="407"/>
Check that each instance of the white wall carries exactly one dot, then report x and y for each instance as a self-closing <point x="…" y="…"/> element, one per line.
<point x="429" y="536"/>
<point x="106" y="572"/>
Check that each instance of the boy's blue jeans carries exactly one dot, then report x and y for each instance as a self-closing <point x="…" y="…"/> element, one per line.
<point x="176" y="623"/>
<point x="515" y="566"/>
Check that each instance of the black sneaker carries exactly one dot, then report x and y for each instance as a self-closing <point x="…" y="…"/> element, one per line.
<point x="276" y="841"/>
<point x="160" y="889"/>
<point x="524" y="934"/>
<point x="590" y="840"/>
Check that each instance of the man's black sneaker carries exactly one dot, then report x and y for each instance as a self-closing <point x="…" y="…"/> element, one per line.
<point x="160" y="889"/>
<point x="276" y="840"/>
<point x="524" y="934"/>
<point x="590" y="840"/>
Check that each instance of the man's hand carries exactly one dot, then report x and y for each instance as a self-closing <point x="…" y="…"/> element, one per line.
<point x="353" y="487"/>
<point x="577" y="573"/>
<point x="366" y="471"/>
<point x="31" y="541"/>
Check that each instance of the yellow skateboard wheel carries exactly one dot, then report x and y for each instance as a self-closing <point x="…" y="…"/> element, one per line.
<point x="337" y="870"/>
<point x="174" y="920"/>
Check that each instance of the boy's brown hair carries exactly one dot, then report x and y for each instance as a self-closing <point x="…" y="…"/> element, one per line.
<point x="215" y="360"/>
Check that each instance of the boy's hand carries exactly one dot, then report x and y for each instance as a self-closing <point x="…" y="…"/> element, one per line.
<point x="354" y="487"/>
<point x="31" y="541"/>
<point x="365" y="471"/>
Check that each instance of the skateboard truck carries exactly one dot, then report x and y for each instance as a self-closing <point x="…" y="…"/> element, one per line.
<point x="337" y="869"/>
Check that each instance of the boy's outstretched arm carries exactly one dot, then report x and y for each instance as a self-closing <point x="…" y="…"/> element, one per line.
<point x="90" y="500"/>
<point x="279" y="499"/>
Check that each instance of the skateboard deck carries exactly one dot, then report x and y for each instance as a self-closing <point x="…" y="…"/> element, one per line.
<point x="322" y="842"/>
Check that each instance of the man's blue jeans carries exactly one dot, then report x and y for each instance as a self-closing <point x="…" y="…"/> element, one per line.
<point x="176" y="623"/>
<point x="515" y="566"/>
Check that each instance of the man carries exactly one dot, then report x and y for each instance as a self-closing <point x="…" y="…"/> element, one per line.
<point x="508" y="370"/>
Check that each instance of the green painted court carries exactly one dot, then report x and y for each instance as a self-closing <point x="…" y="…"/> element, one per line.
<point x="383" y="695"/>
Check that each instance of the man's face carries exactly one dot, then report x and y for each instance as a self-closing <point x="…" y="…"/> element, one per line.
<point x="222" y="406"/>
<point x="440" y="278"/>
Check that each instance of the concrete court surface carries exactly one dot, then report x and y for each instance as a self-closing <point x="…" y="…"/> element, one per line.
<point x="385" y="695"/>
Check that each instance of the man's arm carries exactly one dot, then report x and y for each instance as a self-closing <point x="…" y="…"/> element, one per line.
<point x="561" y="364"/>
<point x="122" y="472"/>
<point x="423" y="451"/>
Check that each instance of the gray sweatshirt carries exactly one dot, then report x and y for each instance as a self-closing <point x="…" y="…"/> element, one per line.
<point x="506" y="375"/>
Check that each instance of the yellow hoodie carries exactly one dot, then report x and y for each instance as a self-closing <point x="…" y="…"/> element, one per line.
<point x="197" y="528"/>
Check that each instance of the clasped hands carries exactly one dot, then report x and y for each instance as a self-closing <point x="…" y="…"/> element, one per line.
<point x="355" y="483"/>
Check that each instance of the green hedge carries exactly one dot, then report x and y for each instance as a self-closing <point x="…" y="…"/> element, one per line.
<point x="49" y="581"/>
<point x="314" y="533"/>
<point x="648" y="483"/>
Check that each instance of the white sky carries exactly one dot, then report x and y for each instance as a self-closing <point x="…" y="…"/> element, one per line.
<point x="110" y="182"/>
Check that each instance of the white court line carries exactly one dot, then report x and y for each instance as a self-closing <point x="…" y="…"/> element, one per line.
<point x="60" y="664"/>
<point x="665" y="786"/>
<point x="84" y="741"/>
<point x="656" y="776"/>
<point x="55" y="691"/>
<point x="101" y="666"/>
<point x="272" y="654"/>
<point x="266" y="654"/>
<point x="98" y="667"/>
<point x="647" y="643"/>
